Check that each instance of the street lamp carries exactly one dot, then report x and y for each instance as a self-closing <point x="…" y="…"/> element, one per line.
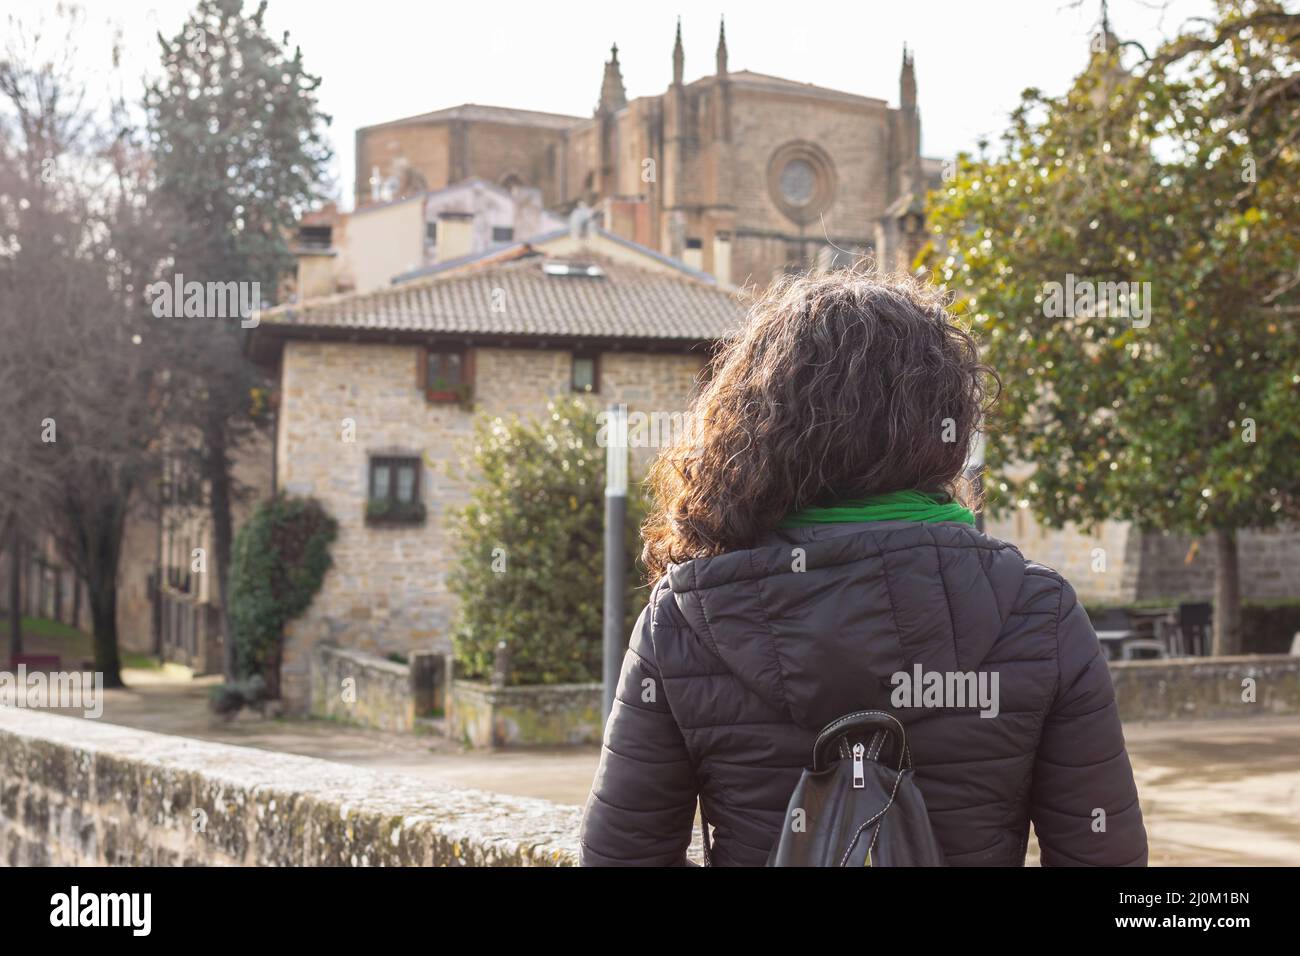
<point x="615" y="555"/>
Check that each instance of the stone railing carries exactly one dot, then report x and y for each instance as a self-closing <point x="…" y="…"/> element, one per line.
<point x="361" y="688"/>
<point x="482" y="715"/>
<point x="81" y="792"/>
<point x="1188" y="688"/>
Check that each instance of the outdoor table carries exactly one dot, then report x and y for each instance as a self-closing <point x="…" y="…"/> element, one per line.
<point x="1112" y="641"/>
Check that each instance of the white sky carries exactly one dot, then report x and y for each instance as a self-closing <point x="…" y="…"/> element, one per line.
<point x="384" y="59"/>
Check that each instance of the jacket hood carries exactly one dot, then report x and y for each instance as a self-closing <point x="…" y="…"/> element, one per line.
<point x="816" y="620"/>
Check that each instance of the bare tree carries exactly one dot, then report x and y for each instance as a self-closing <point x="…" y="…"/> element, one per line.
<point x="79" y="241"/>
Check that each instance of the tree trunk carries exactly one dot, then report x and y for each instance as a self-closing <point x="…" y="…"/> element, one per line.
<point x="219" y="490"/>
<point x="15" y="589"/>
<point x="1227" y="593"/>
<point x="103" y="615"/>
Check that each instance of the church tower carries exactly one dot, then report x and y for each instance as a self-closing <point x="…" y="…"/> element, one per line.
<point x="613" y="97"/>
<point x="673" y="175"/>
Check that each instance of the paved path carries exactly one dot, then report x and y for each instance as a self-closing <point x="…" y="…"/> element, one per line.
<point x="1214" y="792"/>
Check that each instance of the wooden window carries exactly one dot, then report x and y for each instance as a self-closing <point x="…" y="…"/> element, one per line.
<point x="447" y="375"/>
<point x="394" y="494"/>
<point x="585" y="373"/>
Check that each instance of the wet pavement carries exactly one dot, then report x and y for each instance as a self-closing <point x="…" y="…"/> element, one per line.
<point x="1216" y="793"/>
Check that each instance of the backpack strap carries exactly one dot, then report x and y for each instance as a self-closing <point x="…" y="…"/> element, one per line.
<point x="704" y="835"/>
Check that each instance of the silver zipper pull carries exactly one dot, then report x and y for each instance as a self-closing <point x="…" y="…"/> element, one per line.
<point x="859" y="772"/>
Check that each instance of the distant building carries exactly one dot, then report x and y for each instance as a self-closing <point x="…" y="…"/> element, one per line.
<point x="739" y="174"/>
<point x="367" y="249"/>
<point x="374" y="392"/>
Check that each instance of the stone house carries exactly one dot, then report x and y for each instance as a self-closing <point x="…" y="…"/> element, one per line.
<point x="373" y="395"/>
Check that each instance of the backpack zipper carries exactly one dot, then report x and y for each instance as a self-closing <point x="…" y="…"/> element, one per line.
<point x="859" y="772"/>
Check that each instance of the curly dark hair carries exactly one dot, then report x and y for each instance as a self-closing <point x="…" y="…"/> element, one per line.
<point x="839" y="385"/>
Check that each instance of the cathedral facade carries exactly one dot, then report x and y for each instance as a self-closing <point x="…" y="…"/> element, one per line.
<point x="740" y="174"/>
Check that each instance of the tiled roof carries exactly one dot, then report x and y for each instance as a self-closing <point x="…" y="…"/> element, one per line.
<point x="489" y="114"/>
<point x="510" y="294"/>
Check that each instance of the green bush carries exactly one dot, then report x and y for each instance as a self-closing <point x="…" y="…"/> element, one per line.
<point x="279" y="561"/>
<point x="530" y="549"/>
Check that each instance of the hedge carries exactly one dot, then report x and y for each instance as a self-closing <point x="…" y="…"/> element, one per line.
<point x="530" y="549"/>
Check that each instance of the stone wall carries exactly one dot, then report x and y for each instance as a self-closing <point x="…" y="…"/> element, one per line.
<point x="1206" y="688"/>
<point x="557" y="714"/>
<point x="360" y="688"/>
<point x="1141" y="565"/>
<point x="1179" y="566"/>
<point x="76" y="792"/>
<point x="1101" y="565"/>
<point x="386" y="591"/>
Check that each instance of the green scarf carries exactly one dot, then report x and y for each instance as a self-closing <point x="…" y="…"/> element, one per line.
<point x="894" y="506"/>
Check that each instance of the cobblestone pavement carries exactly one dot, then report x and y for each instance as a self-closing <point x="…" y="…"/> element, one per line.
<point x="1218" y="793"/>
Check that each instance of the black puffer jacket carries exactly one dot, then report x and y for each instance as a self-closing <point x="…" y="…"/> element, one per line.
<point x="739" y="660"/>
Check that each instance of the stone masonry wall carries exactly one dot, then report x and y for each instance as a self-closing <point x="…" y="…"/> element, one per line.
<point x="378" y="693"/>
<point x="1149" y="565"/>
<point x="547" y="715"/>
<point x="1177" y="566"/>
<point x="1102" y="566"/>
<point x="77" y="792"/>
<point x="386" y="591"/>
<point x="1207" y="687"/>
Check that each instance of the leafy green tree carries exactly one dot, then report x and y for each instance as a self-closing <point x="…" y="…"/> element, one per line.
<point x="240" y="152"/>
<point x="530" y="548"/>
<point x="1173" y="407"/>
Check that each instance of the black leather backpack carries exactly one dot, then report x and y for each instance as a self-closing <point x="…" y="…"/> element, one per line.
<point x="849" y="808"/>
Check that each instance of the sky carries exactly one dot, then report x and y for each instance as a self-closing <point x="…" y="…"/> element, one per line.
<point x="384" y="59"/>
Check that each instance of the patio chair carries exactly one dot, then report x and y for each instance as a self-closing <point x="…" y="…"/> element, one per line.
<point x="1113" y="630"/>
<point x="1194" y="622"/>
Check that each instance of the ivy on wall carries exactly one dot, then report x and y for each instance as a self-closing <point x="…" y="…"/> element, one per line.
<point x="280" y="559"/>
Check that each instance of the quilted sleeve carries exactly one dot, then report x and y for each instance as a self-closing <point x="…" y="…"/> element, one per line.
<point x="1084" y="802"/>
<point x="642" y="803"/>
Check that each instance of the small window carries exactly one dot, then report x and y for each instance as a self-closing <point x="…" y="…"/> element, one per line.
<point x="503" y="234"/>
<point x="587" y="269"/>
<point x="394" y="494"/>
<point x="431" y="232"/>
<point x="446" y="375"/>
<point x="316" y="237"/>
<point x="694" y="243"/>
<point x="586" y="369"/>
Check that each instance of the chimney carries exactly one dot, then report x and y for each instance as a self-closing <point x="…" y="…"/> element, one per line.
<point x="455" y="235"/>
<point x="580" y="220"/>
